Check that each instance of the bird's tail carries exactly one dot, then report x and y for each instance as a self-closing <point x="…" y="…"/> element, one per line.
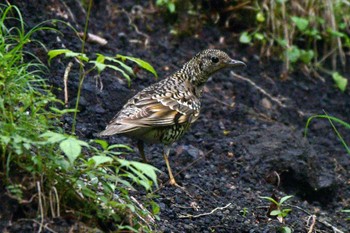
<point x="117" y="129"/>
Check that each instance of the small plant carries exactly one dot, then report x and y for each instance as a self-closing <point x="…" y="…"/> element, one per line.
<point x="348" y="212"/>
<point x="244" y="212"/>
<point x="331" y="119"/>
<point x="312" y="37"/>
<point x="284" y="229"/>
<point x="276" y="208"/>
<point x="101" y="62"/>
<point x="59" y="172"/>
<point x="170" y="4"/>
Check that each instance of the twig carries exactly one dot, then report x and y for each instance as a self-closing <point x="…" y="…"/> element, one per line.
<point x="131" y="23"/>
<point x="204" y="214"/>
<point x="93" y="38"/>
<point x="278" y="101"/>
<point x="44" y="226"/>
<point x="65" y="82"/>
<point x="33" y="220"/>
<point x="311" y="228"/>
<point x="335" y="229"/>
<point x="40" y="207"/>
<point x="53" y="213"/>
<point x="149" y="215"/>
<point x="69" y="11"/>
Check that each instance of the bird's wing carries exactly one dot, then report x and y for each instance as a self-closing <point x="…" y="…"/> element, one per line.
<point x="147" y="109"/>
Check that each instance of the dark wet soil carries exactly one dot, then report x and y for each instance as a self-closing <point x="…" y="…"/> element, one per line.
<point x="243" y="138"/>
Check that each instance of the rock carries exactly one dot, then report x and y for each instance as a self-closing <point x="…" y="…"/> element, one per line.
<point x="279" y="148"/>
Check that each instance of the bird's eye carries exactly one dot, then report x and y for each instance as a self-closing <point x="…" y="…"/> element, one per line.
<point x="215" y="59"/>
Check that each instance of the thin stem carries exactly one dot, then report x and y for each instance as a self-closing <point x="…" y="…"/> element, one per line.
<point x="82" y="74"/>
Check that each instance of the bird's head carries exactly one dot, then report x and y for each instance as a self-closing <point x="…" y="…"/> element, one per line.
<point x="208" y="62"/>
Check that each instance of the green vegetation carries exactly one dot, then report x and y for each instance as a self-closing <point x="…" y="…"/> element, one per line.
<point x="100" y="64"/>
<point x="63" y="174"/>
<point x="244" y="212"/>
<point x="170" y="4"/>
<point x="348" y="212"/>
<point x="278" y="211"/>
<point x="331" y="119"/>
<point x="308" y="35"/>
<point x="303" y="32"/>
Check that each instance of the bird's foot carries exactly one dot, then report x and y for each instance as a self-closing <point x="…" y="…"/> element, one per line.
<point x="172" y="182"/>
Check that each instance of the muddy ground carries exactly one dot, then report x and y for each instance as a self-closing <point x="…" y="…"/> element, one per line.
<point x="243" y="137"/>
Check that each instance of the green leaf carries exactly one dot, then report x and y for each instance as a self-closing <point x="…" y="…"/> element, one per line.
<point x="340" y="81"/>
<point x="293" y="54"/>
<point x="119" y="146"/>
<point x="275" y="212"/>
<point x="5" y="139"/>
<point x="53" y="137"/>
<point x="171" y="7"/>
<point x="54" y="53"/>
<point x="102" y="143"/>
<point x="147" y="169"/>
<point x="285" y="212"/>
<point x="285" y="230"/>
<point x="143" y="64"/>
<point x="306" y="56"/>
<point x="285" y="198"/>
<point x="245" y="38"/>
<point x="71" y="148"/>
<point x="63" y="163"/>
<point x="62" y="111"/>
<point x="270" y="199"/>
<point x="127" y="68"/>
<point x="259" y="36"/>
<point x="100" y="159"/>
<point x="155" y="208"/>
<point x="335" y="33"/>
<point x="301" y="23"/>
<point x="67" y="53"/>
<point x="282" y="42"/>
<point x="121" y="71"/>
<point x="260" y="17"/>
<point x="99" y="62"/>
<point x="88" y="193"/>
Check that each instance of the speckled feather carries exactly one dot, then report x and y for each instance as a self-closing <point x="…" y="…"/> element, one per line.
<point x="164" y="111"/>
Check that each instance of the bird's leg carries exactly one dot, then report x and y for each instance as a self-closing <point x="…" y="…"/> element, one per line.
<point x="166" y="156"/>
<point x="140" y="146"/>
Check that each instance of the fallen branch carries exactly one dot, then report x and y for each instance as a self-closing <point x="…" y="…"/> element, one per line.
<point x="205" y="214"/>
<point x="311" y="228"/>
<point x="93" y="38"/>
<point x="274" y="99"/>
<point x="324" y="222"/>
<point x="65" y="82"/>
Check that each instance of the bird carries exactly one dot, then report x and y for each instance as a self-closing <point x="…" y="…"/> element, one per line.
<point x="164" y="111"/>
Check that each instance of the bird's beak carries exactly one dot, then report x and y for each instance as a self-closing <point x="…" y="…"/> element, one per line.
<point x="235" y="63"/>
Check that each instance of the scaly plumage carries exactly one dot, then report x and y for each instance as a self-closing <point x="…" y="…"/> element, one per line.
<point x="164" y="111"/>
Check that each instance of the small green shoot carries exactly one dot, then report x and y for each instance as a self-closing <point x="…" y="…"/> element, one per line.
<point x="170" y="4"/>
<point x="348" y="212"/>
<point x="285" y="229"/>
<point x="340" y="81"/>
<point x="244" y="212"/>
<point x="331" y="119"/>
<point x="276" y="208"/>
